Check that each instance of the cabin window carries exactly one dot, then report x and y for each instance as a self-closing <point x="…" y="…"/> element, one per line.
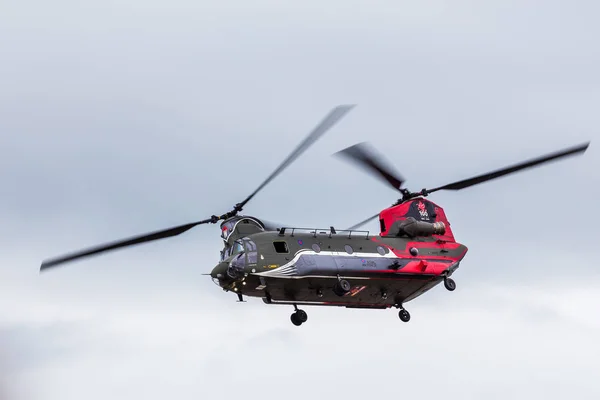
<point x="281" y="247"/>
<point x="316" y="248"/>
<point x="381" y="250"/>
<point x="382" y="225"/>
<point x="348" y="249"/>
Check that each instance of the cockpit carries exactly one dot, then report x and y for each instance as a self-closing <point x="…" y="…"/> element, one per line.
<point x="239" y="227"/>
<point x="244" y="245"/>
<point x="236" y="258"/>
<point x="240" y="253"/>
<point x="228" y="251"/>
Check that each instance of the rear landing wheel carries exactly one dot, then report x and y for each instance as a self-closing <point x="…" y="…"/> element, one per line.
<point x="449" y="284"/>
<point x="299" y="317"/>
<point x="404" y="315"/>
<point x="295" y="320"/>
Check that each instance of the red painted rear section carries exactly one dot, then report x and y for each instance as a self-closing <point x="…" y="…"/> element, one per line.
<point x="422" y="210"/>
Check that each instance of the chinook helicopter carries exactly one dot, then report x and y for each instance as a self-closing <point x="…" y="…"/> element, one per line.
<point x="414" y="251"/>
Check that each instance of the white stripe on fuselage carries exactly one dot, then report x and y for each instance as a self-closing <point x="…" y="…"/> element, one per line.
<point x="289" y="268"/>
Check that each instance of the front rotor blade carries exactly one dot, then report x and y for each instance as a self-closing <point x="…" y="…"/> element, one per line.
<point x="328" y="122"/>
<point x="122" y="243"/>
<point x="364" y="156"/>
<point x="363" y="222"/>
<point x="515" y="168"/>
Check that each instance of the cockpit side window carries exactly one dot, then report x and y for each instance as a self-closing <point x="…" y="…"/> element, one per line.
<point x="251" y="251"/>
<point x="249" y="244"/>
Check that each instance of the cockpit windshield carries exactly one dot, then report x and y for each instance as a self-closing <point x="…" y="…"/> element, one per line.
<point x="225" y="252"/>
<point x="238" y="247"/>
<point x="229" y="251"/>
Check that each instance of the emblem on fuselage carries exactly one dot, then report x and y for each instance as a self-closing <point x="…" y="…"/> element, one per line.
<point x="423" y="211"/>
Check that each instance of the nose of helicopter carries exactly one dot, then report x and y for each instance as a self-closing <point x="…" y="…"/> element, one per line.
<point x="220" y="271"/>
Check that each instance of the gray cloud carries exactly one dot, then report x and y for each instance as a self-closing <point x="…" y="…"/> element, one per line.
<point x="117" y="119"/>
<point x="194" y="351"/>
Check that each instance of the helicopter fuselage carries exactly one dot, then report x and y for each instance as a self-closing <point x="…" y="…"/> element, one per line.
<point x="305" y="266"/>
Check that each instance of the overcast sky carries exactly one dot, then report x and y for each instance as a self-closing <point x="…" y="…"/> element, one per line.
<point x="121" y="117"/>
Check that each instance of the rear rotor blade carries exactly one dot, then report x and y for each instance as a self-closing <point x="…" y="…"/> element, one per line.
<point x="356" y="226"/>
<point x="363" y="155"/>
<point x="514" y="168"/>
<point x="122" y="243"/>
<point x="328" y="122"/>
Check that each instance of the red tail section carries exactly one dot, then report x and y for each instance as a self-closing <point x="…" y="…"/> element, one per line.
<point x="419" y="208"/>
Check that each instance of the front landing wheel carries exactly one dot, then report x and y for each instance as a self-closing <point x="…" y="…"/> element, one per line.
<point x="449" y="284"/>
<point x="404" y="315"/>
<point x="341" y="287"/>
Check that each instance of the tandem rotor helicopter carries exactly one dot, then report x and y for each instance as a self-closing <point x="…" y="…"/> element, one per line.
<point x="414" y="251"/>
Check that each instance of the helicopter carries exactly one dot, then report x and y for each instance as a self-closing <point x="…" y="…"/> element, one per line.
<point x="414" y="250"/>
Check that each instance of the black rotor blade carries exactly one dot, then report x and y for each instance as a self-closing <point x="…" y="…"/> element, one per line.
<point x="328" y="122"/>
<point x="363" y="222"/>
<point x="465" y="183"/>
<point x="363" y="155"/>
<point x="148" y="237"/>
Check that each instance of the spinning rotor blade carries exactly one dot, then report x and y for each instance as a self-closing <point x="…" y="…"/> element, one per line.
<point x="357" y="154"/>
<point x="514" y="168"/>
<point x="328" y="122"/>
<point x="356" y="226"/>
<point x="364" y="156"/>
<point x="122" y="243"/>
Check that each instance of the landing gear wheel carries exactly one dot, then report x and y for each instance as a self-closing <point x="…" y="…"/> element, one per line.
<point x="341" y="287"/>
<point x="449" y="284"/>
<point x="299" y="317"/>
<point x="404" y="315"/>
<point x="295" y="320"/>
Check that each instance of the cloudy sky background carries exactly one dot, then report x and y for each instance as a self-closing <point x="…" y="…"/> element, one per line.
<point x="118" y="118"/>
